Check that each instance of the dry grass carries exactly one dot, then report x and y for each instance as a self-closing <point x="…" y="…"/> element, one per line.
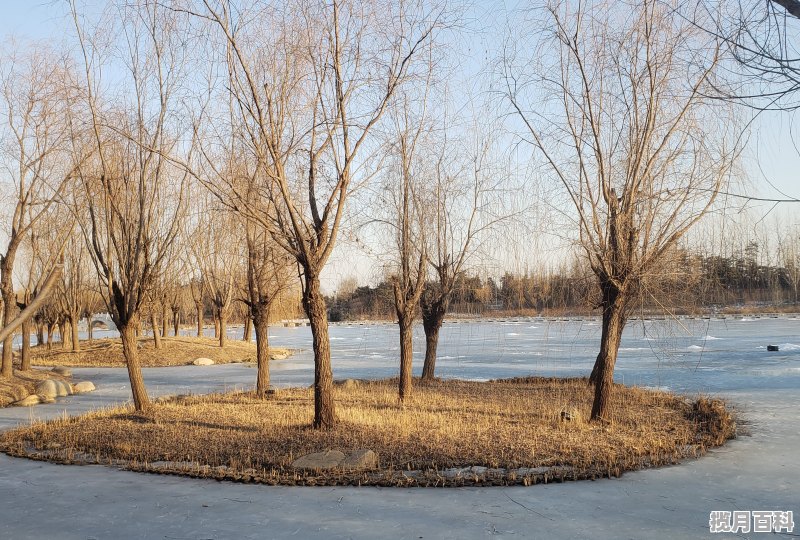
<point x="23" y="383"/>
<point x="506" y="426"/>
<point x="174" y="351"/>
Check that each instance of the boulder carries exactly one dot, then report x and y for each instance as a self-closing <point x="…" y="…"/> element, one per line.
<point x="330" y="459"/>
<point x="203" y="362"/>
<point x="53" y="388"/>
<point x="62" y="370"/>
<point x="45" y="399"/>
<point x="83" y="387"/>
<point x="360" y="459"/>
<point x="29" y="401"/>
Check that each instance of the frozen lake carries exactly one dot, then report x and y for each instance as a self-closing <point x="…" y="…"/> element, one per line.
<point x="724" y="357"/>
<point x="688" y="356"/>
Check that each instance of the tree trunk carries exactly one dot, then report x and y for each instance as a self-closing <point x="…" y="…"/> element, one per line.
<point x="39" y="333"/>
<point x="76" y="342"/>
<point x="223" y="329"/>
<point x="176" y="319"/>
<point x="62" y="333"/>
<point x="432" y="320"/>
<point x="216" y="326"/>
<point x="406" y="355"/>
<point x="603" y="372"/>
<point x="316" y="311"/>
<point x="247" y="335"/>
<point x="261" y="324"/>
<point x="25" y="362"/>
<point x="156" y="332"/>
<point x="131" y="352"/>
<point x="164" y="323"/>
<point x="199" y="308"/>
<point x="9" y="304"/>
<point x="51" y="328"/>
<point x="89" y="328"/>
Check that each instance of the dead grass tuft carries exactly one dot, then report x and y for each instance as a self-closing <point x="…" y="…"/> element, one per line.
<point x="450" y="433"/>
<point x="175" y="351"/>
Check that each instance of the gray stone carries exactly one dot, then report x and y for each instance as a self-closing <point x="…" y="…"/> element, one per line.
<point x="203" y="362"/>
<point x="53" y="388"/>
<point x="29" y="401"/>
<point x="348" y="384"/>
<point x="83" y="387"/>
<point x="330" y="459"/>
<point x="361" y="459"/>
<point x="62" y="370"/>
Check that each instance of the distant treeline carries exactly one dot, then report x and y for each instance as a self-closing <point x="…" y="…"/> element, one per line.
<point x="689" y="283"/>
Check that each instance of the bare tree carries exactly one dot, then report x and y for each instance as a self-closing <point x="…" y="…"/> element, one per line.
<point x="619" y="118"/>
<point x="135" y="197"/>
<point x="216" y="248"/>
<point x="307" y="104"/>
<point x="465" y="187"/>
<point x="403" y="199"/>
<point x="270" y="273"/>
<point x="37" y="94"/>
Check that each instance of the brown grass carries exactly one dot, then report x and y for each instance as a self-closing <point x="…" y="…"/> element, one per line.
<point x="507" y="426"/>
<point x="174" y="351"/>
<point x="23" y="383"/>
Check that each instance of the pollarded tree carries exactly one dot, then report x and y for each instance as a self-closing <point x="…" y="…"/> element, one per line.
<point x="613" y="101"/>
<point x="465" y="189"/>
<point x="306" y="104"/>
<point x="270" y="273"/>
<point x="403" y="199"/>
<point x="134" y="196"/>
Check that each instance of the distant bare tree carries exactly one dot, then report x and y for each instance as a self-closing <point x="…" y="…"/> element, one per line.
<point x="613" y="100"/>
<point x="464" y="189"/>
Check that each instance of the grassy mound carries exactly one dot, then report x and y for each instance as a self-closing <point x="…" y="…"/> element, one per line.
<point x="519" y="431"/>
<point x="23" y="383"/>
<point x="174" y="351"/>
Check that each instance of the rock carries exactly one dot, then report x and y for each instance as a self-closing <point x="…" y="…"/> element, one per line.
<point x="45" y="399"/>
<point x="83" y="387"/>
<point x="348" y="384"/>
<point x="29" y="401"/>
<point x="330" y="459"/>
<point x="773" y="348"/>
<point x="360" y="459"/>
<point x="62" y="370"/>
<point x="203" y="362"/>
<point x="53" y="388"/>
<point x="280" y="355"/>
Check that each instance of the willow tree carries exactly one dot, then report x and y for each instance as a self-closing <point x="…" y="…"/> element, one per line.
<point x="134" y="197"/>
<point x="307" y="101"/>
<point x="613" y="102"/>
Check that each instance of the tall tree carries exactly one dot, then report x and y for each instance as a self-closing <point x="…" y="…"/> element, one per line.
<point x="614" y="103"/>
<point x="307" y="104"/>
<point x="135" y="197"/>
